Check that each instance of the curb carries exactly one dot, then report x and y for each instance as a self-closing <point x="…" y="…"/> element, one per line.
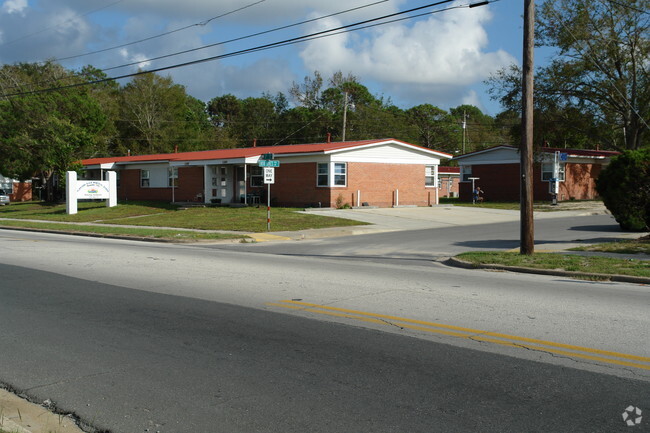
<point x="120" y="237"/>
<point x="452" y="261"/>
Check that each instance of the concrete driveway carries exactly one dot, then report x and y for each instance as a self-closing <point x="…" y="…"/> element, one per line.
<point x="418" y="218"/>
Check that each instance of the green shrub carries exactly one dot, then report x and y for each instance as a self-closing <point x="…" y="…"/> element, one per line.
<point x="625" y="188"/>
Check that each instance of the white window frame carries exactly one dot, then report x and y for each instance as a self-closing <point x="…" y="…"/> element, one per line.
<point x="323" y="173"/>
<point x="547" y="171"/>
<point x="257" y="176"/>
<point x="332" y="174"/>
<point x="340" y="174"/>
<point x="145" y="178"/>
<point x="172" y="177"/>
<point x="430" y="176"/>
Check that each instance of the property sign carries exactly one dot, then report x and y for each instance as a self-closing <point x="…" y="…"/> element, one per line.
<point x="268" y="163"/>
<point x="93" y="190"/>
<point x="269" y="175"/>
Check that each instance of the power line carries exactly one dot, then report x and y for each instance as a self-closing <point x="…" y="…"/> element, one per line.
<point x="59" y="24"/>
<point x="223" y="42"/>
<point x="233" y="54"/>
<point x="245" y="37"/>
<point x="291" y="41"/>
<point x="199" y="24"/>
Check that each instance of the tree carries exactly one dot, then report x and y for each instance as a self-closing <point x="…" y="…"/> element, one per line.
<point x="433" y="124"/>
<point x="600" y="71"/>
<point x="157" y="116"/>
<point x="625" y="188"/>
<point x="43" y="134"/>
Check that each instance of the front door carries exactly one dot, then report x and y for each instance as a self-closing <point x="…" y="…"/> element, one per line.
<point x="221" y="185"/>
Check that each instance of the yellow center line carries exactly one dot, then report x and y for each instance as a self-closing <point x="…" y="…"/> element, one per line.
<point x="473" y="334"/>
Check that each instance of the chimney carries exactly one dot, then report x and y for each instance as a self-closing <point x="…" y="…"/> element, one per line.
<point x="176" y="149"/>
<point x="128" y="152"/>
<point x="254" y="142"/>
<point x="329" y="137"/>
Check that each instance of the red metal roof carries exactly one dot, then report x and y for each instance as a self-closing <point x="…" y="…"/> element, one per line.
<point x="570" y="152"/>
<point x="452" y="170"/>
<point x="248" y="152"/>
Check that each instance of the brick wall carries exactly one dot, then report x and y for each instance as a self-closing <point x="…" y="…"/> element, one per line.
<point x="190" y="185"/>
<point x="295" y="185"/>
<point x="501" y="182"/>
<point x="21" y="191"/>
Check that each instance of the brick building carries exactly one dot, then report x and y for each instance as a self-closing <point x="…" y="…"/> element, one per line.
<point x="449" y="181"/>
<point x="496" y="171"/>
<point x="379" y="173"/>
<point x="16" y="189"/>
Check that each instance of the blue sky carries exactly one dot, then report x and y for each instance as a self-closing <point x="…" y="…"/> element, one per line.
<point x="441" y="59"/>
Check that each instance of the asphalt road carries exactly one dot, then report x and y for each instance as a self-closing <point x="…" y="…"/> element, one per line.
<point x="364" y="334"/>
<point x="132" y="361"/>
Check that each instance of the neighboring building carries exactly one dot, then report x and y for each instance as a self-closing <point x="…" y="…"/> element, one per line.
<point x="17" y="190"/>
<point x="380" y="173"/>
<point x="497" y="170"/>
<point x="448" y="181"/>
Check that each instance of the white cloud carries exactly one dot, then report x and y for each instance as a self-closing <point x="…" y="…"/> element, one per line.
<point x="14" y="6"/>
<point x="440" y="55"/>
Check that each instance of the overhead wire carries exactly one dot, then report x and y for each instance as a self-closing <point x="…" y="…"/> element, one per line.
<point x="241" y="38"/>
<point x="199" y="24"/>
<point x="104" y="69"/>
<point x="290" y="41"/>
<point x="59" y="24"/>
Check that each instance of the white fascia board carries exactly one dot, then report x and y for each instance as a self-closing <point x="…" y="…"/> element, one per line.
<point x="204" y="162"/>
<point x="391" y="142"/>
<point x="480" y="152"/>
<point x="159" y="162"/>
<point x="419" y="161"/>
<point x="503" y="161"/>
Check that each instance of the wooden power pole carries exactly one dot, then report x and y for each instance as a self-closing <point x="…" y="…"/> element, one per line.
<point x="527" y="240"/>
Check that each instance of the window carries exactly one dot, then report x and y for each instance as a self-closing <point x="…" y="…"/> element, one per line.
<point x="172" y="175"/>
<point x="429" y="175"/>
<point x="144" y="178"/>
<point x="257" y="176"/>
<point x="332" y="174"/>
<point x="465" y="172"/>
<point x="340" y="174"/>
<point x="547" y="171"/>
<point x="323" y="175"/>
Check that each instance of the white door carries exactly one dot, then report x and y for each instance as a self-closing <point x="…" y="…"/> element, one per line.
<point x="221" y="185"/>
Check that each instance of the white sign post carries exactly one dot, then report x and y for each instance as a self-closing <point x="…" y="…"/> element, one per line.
<point x="90" y="190"/>
<point x="269" y="178"/>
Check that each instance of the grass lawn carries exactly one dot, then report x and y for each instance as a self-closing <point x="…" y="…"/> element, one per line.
<point x="628" y="246"/>
<point x="164" y="215"/>
<point x="564" y="262"/>
<point x="543" y="206"/>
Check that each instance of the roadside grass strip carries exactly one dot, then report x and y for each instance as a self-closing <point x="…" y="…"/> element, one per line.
<point x="568" y="350"/>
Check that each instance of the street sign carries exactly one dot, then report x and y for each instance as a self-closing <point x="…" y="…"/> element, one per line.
<point x="269" y="175"/>
<point x="268" y="163"/>
<point x="266" y="156"/>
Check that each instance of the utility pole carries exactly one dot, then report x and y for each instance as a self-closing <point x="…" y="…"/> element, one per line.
<point x="464" y="129"/>
<point x="527" y="241"/>
<point x="345" y="115"/>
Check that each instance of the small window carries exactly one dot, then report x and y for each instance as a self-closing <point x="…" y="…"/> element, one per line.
<point x="323" y="174"/>
<point x="340" y="174"/>
<point x="144" y="178"/>
<point x="172" y="174"/>
<point x="429" y="175"/>
<point x="547" y="172"/>
<point x="465" y="172"/>
<point x="257" y="176"/>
